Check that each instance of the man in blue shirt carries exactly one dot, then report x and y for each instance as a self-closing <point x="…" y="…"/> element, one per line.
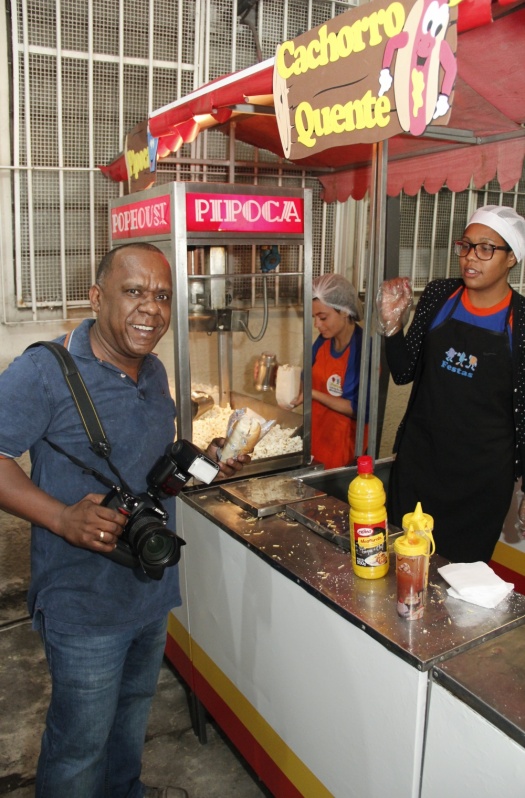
<point x="103" y="625"/>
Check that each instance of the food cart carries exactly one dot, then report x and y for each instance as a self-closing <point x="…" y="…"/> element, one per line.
<point x="307" y="669"/>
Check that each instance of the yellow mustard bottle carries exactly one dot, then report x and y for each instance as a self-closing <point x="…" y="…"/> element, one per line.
<point x="413" y="550"/>
<point x="368" y="522"/>
<point x="422" y="524"/>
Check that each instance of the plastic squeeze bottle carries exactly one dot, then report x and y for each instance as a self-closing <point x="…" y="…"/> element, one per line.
<point x="413" y="550"/>
<point x="422" y="524"/>
<point x="368" y="522"/>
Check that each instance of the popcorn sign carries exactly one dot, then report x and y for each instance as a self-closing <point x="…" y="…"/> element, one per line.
<point x="143" y="218"/>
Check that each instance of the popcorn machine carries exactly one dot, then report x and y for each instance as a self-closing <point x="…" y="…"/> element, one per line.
<point x="241" y="259"/>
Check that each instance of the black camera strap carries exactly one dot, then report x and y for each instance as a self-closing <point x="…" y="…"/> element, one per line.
<point x="86" y="410"/>
<point x="86" y="469"/>
<point x="123" y="554"/>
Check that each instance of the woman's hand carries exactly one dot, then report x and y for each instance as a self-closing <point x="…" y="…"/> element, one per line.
<point x="394" y="301"/>
<point x="298" y="400"/>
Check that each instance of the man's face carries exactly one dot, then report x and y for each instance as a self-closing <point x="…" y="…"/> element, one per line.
<point x="133" y="305"/>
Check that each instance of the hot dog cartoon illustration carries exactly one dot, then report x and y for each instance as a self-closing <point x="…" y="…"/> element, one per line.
<point x="421" y="50"/>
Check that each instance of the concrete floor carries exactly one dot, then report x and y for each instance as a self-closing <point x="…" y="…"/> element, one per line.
<point x="173" y="754"/>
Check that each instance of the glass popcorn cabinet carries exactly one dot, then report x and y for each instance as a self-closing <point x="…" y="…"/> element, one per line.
<point x="241" y="258"/>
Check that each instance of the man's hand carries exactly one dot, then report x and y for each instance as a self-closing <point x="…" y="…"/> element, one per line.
<point x="89" y="525"/>
<point x="85" y="524"/>
<point x="229" y="467"/>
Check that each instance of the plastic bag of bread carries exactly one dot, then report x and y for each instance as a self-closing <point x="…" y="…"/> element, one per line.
<point x="287" y="384"/>
<point x="245" y="430"/>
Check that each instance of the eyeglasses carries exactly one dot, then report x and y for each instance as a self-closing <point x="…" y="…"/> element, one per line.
<point x="483" y="251"/>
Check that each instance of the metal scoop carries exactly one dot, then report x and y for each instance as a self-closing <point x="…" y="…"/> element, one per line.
<point x="200" y="403"/>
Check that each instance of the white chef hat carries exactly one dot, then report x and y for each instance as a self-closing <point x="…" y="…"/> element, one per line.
<point x="337" y="292"/>
<point x="505" y="221"/>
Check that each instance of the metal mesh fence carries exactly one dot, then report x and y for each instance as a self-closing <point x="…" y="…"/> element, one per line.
<point x="86" y="71"/>
<point x="430" y="223"/>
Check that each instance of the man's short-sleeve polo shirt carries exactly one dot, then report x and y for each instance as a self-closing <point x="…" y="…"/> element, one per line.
<point x="80" y="591"/>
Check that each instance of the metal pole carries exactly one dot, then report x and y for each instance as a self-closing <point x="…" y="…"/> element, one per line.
<point x="376" y="248"/>
<point x="380" y="232"/>
<point x="367" y="324"/>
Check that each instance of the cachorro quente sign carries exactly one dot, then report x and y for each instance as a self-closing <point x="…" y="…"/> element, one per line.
<point x="366" y="75"/>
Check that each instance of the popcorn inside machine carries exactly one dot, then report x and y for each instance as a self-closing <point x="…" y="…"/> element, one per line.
<point x="241" y="259"/>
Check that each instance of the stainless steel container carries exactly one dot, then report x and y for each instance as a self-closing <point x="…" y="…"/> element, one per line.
<point x="265" y="372"/>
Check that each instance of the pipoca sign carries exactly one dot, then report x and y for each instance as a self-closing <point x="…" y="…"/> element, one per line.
<point x="232" y="213"/>
<point x="366" y="75"/>
<point x="246" y="213"/>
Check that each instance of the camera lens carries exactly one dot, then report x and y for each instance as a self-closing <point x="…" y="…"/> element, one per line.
<point x="154" y="544"/>
<point x="158" y="548"/>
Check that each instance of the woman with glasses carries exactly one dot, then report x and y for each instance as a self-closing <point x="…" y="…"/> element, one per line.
<point x="461" y="443"/>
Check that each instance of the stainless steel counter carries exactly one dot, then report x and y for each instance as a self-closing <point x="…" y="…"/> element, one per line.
<point x="449" y="627"/>
<point x="491" y="680"/>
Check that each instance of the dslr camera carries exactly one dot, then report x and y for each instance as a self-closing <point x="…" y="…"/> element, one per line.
<point x="145" y="541"/>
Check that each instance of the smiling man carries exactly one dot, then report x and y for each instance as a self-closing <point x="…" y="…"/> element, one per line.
<point x="132" y="300"/>
<point x="103" y="625"/>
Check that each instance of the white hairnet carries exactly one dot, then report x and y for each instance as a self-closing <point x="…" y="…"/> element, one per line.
<point x="505" y="221"/>
<point x="337" y="292"/>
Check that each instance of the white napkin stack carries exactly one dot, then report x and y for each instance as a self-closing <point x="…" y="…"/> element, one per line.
<point x="476" y="583"/>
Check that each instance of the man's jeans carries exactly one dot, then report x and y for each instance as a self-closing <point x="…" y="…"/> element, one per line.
<point x="102" y="689"/>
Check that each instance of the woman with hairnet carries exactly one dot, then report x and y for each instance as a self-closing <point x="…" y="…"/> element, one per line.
<point x="461" y="443"/>
<point x="336" y="364"/>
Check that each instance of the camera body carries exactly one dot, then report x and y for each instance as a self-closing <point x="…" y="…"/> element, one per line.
<point x="145" y="541"/>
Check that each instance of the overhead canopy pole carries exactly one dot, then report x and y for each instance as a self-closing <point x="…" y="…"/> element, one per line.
<point x="371" y="350"/>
